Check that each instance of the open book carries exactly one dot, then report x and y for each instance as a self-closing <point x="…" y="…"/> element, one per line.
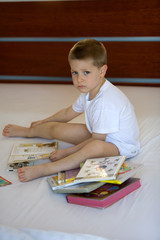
<point x="99" y="169"/>
<point x="126" y="171"/>
<point x="24" y="154"/>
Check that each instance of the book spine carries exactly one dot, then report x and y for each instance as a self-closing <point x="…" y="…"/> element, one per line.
<point x="105" y="202"/>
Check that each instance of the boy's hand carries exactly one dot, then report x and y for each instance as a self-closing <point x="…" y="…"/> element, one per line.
<point x="58" y="154"/>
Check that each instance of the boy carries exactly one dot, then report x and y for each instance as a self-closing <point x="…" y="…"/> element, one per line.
<point x="111" y="127"/>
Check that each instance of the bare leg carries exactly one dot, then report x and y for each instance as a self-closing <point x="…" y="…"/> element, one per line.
<point x="69" y="132"/>
<point x="62" y="153"/>
<point x="95" y="148"/>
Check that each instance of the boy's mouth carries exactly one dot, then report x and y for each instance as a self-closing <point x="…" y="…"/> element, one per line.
<point x="81" y="86"/>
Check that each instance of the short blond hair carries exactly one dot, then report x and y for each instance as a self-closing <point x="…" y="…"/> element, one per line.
<point x="89" y="49"/>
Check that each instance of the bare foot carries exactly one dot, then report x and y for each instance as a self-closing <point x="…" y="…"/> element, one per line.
<point x="58" y="154"/>
<point x="26" y="174"/>
<point x="15" y="131"/>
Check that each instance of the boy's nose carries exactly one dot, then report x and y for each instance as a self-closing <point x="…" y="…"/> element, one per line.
<point x="79" y="78"/>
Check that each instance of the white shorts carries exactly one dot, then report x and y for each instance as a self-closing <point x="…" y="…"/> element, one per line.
<point x="128" y="150"/>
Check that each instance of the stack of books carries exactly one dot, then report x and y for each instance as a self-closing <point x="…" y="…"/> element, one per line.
<point x="98" y="183"/>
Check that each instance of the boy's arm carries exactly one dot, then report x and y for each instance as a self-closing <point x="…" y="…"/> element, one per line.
<point x="64" y="115"/>
<point x="99" y="136"/>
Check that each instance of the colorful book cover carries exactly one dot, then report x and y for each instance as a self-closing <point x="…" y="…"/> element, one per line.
<point x="67" y="176"/>
<point x="4" y="182"/>
<point x="99" y="169"/>
<point x="106" y="195"/>
<point x="53" y="182"/>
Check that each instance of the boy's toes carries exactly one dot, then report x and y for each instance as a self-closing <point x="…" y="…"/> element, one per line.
<point x="6" y="130"/>
<point x="21" y="175"/>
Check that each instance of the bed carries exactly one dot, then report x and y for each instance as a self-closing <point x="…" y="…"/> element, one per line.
<point x="33" y="211"/>
<point x="35" y="37"/>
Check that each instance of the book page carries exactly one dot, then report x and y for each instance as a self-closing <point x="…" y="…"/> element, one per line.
<point x="31" y="151"/>
<point x="101" y="167"/>
<point x="28" y="157"/>
<point x="32" y="148"/>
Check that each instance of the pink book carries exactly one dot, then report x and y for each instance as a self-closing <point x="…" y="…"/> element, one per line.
<point x="105" y="195"/>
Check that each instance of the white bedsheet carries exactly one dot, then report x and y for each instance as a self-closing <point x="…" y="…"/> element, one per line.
<point x="9" y="233"/>
<point x="32" y="206"/>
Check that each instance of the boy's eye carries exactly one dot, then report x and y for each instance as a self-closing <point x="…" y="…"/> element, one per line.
<point x="86" y="72"/>
<point x="74" y="73"/>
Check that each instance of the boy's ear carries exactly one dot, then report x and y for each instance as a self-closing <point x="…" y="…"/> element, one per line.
<point x="103" y="70"/>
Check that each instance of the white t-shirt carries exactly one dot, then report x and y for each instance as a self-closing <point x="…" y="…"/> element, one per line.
<point x="111" y="113"/>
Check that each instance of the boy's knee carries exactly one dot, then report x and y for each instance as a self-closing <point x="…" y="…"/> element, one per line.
<point x="93" y="147"/>
<point x="54" y="128"/>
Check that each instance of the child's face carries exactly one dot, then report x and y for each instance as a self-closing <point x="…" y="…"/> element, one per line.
<point x="87" y="77"/>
